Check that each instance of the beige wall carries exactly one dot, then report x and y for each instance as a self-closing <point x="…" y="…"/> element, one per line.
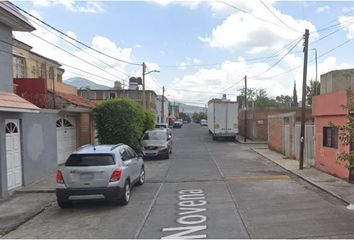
<point x="34" y="63"/>
<point x="337" y="80"/>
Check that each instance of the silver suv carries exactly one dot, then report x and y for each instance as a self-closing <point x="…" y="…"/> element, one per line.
<point x="99" y="172"/>
<point x="156" y="142"/>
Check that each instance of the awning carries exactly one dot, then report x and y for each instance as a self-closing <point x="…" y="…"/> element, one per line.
<point x="171" y="117"/>
<point x="10" y="102"/>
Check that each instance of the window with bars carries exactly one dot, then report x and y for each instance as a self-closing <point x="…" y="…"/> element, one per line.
<point x="330" y="137"/>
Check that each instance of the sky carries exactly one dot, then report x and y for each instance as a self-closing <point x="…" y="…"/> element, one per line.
<point x="202" y="49"/>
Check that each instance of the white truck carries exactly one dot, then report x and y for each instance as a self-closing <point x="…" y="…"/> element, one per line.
<point x="223" y="118"/>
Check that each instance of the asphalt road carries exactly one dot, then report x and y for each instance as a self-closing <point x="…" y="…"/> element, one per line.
<point x="206" y="189"/>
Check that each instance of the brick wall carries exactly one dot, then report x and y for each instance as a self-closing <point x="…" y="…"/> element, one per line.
<point x="257" y="120"/>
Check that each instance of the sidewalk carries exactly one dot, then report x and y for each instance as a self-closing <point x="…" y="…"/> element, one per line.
<point x="335" y="186"/>
<point x="26" y="203"/>
<point x="241" y="139"/>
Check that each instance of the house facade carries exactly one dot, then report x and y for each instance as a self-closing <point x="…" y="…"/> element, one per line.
<point x="26" y="136"/>
<point x="97" y="96"/>
<point x="161" y="117"/>
<point x="328" y="110"/>
<point x="39" y="80"/>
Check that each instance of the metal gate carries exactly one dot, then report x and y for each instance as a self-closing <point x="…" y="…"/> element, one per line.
<point x="309" y="150"/>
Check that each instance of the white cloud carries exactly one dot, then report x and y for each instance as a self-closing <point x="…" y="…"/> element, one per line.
<point x="112" y="69"/>
<point x="323" y="9"/>
<point x="347" y="24"/>
<point x="138" y="45"/>
<point x="188" y="61"/>
<point x="72" y="5"/>
<point x="243" y="31"/>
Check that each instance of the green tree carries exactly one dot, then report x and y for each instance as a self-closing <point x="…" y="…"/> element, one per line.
<point x="312" y="89"/>
<point x="283" y="100"/>
<point x="185" y="116"/>
<point x="199" y="116"/>
<point x="122" y="121"/>
<point x="346" y="135"/>
<point x="258" y="98"/>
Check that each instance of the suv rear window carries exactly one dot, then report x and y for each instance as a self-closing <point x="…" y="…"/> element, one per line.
<point x="86" y="160"/>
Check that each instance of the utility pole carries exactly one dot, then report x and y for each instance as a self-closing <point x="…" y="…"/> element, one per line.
<point x="163" y="105"/>
<point x="144" y="70"/>
<point x="316" y="72"/>
<point x="304" y="78"/>
<point x="245" y="109"/>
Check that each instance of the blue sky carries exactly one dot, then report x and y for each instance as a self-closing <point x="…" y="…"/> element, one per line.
<point x="172" y="35"/>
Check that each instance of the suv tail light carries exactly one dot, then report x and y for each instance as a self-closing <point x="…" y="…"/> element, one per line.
<point x="59" y="177"/>
<point x="116" y="175"/>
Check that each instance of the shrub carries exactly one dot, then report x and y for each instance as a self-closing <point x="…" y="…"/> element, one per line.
<point x="122" y="121"/>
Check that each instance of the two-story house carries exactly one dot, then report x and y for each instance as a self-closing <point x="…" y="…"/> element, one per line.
<point x="39" y="80"/>
<point x="98" y="96"/>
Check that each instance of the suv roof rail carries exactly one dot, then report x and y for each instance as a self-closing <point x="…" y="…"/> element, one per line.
<point x="115" y="146"/>
<point x="83" y="146"/>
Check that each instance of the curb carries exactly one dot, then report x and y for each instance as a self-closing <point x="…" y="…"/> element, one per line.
<point x="33" y="214"/>
<point x="305" y="179"/>
<point x="35" y="191"/>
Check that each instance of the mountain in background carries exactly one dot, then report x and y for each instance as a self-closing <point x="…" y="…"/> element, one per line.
<point x="79" y="82"/>
<point x="189" y="109"/>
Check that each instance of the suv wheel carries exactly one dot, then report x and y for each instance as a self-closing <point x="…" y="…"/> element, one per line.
<point x="141" y="176"/>
<point x="64" y="203"/>
<point x="125" y="194"/>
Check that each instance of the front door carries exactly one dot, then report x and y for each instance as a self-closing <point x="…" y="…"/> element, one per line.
<point x="13" y="153"/>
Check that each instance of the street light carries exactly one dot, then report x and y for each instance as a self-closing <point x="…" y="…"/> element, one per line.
<point x="144" y="73"/>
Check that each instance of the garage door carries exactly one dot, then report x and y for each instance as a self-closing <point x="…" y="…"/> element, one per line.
<point x="13" y="153"/>
<point x="66" y="138"/>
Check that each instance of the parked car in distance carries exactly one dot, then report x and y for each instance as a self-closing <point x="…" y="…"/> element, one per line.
<point x="203" y="122"/>
<point x="164" y="126"/>
<point x="156" y="143"/>
<point x="177" y="124"/>
<point x="105" y="172"/>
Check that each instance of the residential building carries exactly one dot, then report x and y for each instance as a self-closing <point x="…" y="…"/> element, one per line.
<point x="97" y="96"/>
<point x="161" y="106"/>
<point x="27" y="132"/>
<point x="337" y="80"/>
<point x="328" y="111"/>
<point x="28" y="64"/>
<point x="39" y="80"/>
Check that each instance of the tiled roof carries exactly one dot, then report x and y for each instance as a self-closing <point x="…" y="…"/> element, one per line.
<point x="76" y="100"/>
<point x="12" y="102"/>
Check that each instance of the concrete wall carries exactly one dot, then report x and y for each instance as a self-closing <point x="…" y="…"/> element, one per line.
<point x="6" y="83"/>
<point x="39" y="145"/>
<point x="327" y="109"/>
<point x="337" y="80"/>
<point x="257" y="120"/>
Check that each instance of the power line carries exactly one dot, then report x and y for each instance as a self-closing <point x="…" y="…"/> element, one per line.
<point x="62" y="49"/>
<point x="63" y="64"/>
<point x="286" y="54"/>
<point x="57" y="30"/>
<point x="280" y="20"/>
<point x="247" y="12"/>
<point x="72" y="44"/>
<point x="233" y="85"/>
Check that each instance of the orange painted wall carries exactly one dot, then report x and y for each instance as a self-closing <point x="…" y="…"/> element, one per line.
<point x="327" y="108"/>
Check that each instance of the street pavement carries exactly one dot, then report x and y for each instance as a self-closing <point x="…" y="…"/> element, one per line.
<point x="207" y="189"/>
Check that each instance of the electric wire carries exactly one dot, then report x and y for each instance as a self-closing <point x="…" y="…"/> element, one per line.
<point x="77" y="47"/>
<point x="277" y="17"/>
<point x="62" y="49"/>
<point x="250" y="13"/>
<point x="66" y="35"/>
